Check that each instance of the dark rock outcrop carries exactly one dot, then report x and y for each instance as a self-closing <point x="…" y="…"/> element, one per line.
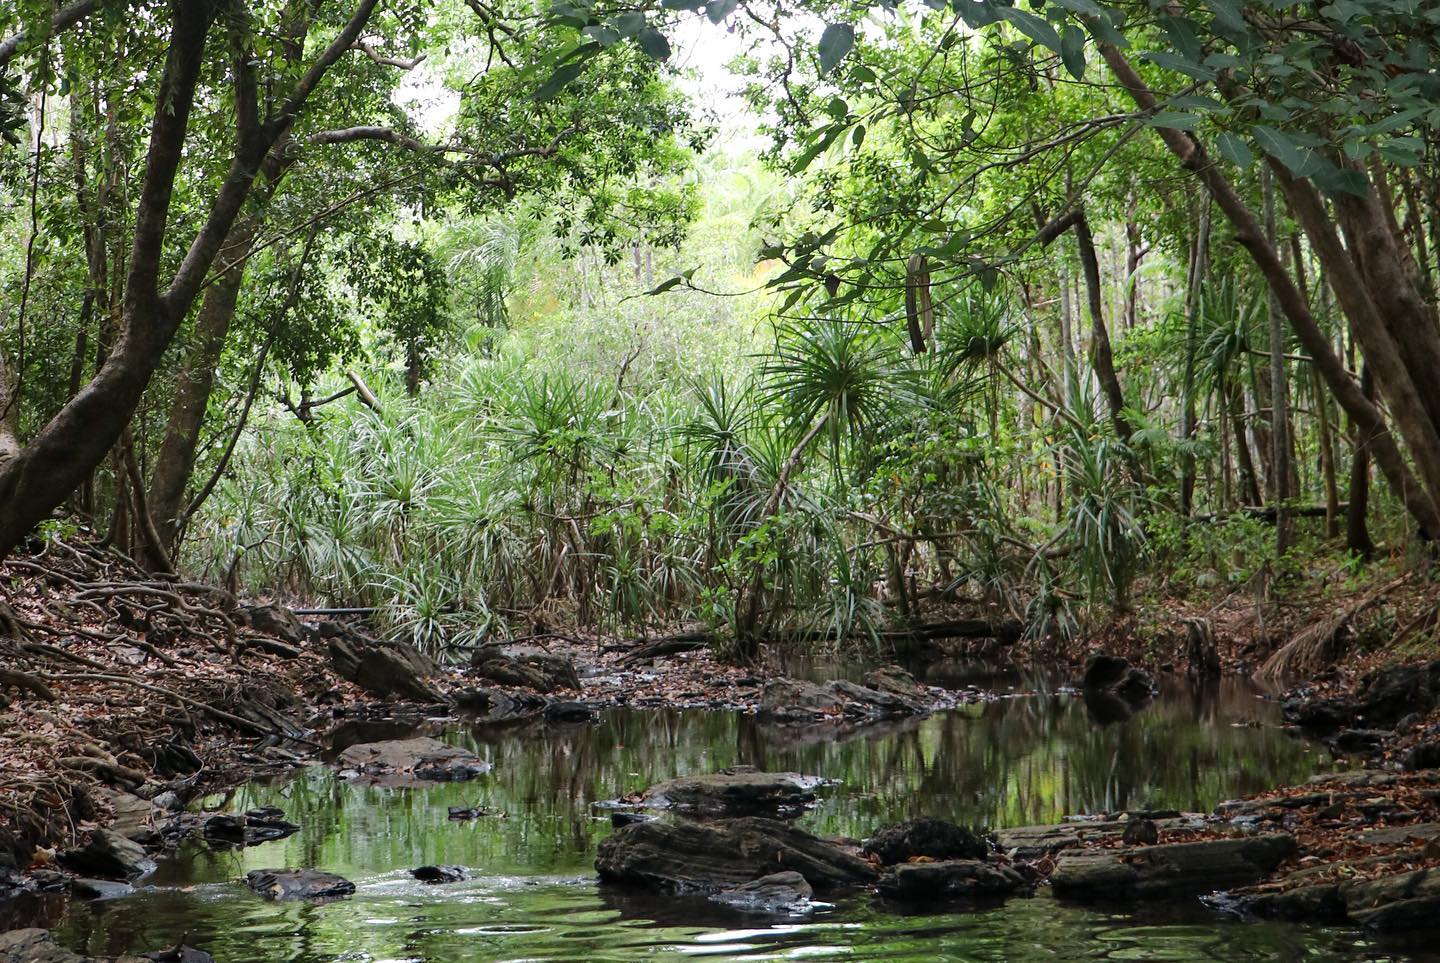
<point x="108" y="855"/>
<point x="385" y="669"/>
<point x="709" y="857"/>
<point x="541" y="672"/>
<point x="440" y="874"/>
<point x="792" y="701"/>
<point x="956" y="879"/>
<point x="1169" y="870"/>
<point x="34" y="946"/>
<point x="274" y="619"/>
<point x="785" y="893"/>
<point x="924" y="837"/>
<point x="291" y="884"/>
<point x="248" y="828"/>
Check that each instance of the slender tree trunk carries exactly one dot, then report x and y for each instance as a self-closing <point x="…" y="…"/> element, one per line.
<point x="1279" y="390"/>
<point x="1194" y="296"/>
<point x="1100" y="354"/>
<point x="1357" y="531"/>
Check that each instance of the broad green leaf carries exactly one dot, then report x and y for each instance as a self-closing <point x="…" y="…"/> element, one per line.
<point x="1033" y="27"/>
<point x="1174" y="119"/>
<point x="1235" y="150"/>
<point x="835" y="43"/>
<point x="1179" y="64"/>
<point x="1072" y="51"/>
<point x="628" y="24"/>
<point x="654" y="44"/>
<point x="563" y="76"/>
<point x="1281" y="146"/>
<point x="718" y="10"/>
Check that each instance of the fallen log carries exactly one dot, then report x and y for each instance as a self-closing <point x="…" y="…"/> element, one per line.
<point x="1005" y="631"/>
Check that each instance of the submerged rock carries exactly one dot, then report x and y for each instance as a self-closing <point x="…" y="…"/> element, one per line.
<point x="179" y="953"/>
<point x="738" y="791"/>
<point x="420" y="757"/>
<point x="99" y="889"/>
<point x="956" y="879"/>
<point x="785" y="893"/>
<point x="248" y="828"/>
<point x="440" y="874"/>
<point x="709" y="857"/>
<point x="924" y="837"/>
<point x="109" y="855"/>
<point x="1168" y="870"/>
<point x="1114" y="690"/>
<point x="291" y="884"/>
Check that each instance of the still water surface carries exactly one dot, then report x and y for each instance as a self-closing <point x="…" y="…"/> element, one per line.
<point x="534" y="897"/>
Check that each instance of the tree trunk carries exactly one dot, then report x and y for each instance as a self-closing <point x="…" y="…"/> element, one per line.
<point x="1357" y="531"/>
<point x="1100" y="355"/>
<point x="1193" y="298"/>
<point x="1279" y="390"/>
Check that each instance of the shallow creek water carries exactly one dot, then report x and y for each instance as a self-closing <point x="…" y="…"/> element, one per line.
<point x="534" y="896"/>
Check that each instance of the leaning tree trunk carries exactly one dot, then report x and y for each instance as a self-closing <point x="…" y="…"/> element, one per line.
<point x="1357" y="531"/>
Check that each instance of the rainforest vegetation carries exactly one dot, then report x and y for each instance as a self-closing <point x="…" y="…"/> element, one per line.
<point x="796" y="320"/>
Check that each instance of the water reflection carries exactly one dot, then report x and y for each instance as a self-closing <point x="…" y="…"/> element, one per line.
<point x="533" y="897"/>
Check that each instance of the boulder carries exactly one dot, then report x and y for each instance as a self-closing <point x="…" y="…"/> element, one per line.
<point x="794" y="701"/>
<point x="566" y="712"/>
<point x="420" y="757"/>
<point x="385" y="669"/>
<point x="786" y="893"/>
<point x="1140" y="832"/>
<point x="541" y="672"/>
<point x="713" y="856"/>
<point x="1423" y="755"/>
<point x="1104" y="671"/>
<point x="1360" y="741"/>
<point x="34" y="946"/>
<point x="292" y="884"/>
<point x="495" y="705"/>
<point x="274" y="619"/>
<point x="955" y="879"/>
<point x="1318" y="715"/>
<point x="108" y="855"/>
<point x="928" y="838"/>
<point x="1396" y="691"/>
<point x="1168" y="870"/>
<point x="894" y="680"/>
<point x="440" y="874"/>
<point x="738" y="791"/>
<point x="179" y="953"/>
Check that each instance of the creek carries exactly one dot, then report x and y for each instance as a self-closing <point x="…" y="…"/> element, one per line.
<point x="1035" y="756"/>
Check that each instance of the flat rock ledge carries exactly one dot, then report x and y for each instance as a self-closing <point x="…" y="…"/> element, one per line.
<point x="282" y="885"/>
<point x="795" y="702"/>
<point x="709" y="857"/>
<point x="1169" y="869"/>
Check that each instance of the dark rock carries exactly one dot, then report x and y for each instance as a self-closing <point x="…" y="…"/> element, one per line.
<point x="34" y="946"/>
<point x="248" y="829"/>
<point x="274" y="619"/>
<point x="466" y="812"/>
<point x="440" y="874"/>
<point x="571" y="713"/>
<point x="385" y="669"/>
<point x="543" y="673"/>
<point x="494" y="705"/>
<point x="1104" y="671"/>
<point x="1318" y="715"/>
<point x="1358" y="741"/>
<point x="894" y="680"/>
<point x="1105" y="708"/>
<point x="1137" y="687"/>
<point x="1398" y="691"/>
<point x="108" y="855"/>
<point x="99" y="889"/>
<point x="794" y="701"/>
<point x="709" y="857"/>
<point x="1423" y="755"/>
<point x="421" y="757"/>
<point x="957" y="879"/>
<point x="1140" y="832"/>
<point x="291" y="884"/>
<point x="785" y="893"/>
<point x="1168" y="870"/>
<point x="621" y="819"/>
<point x="931" y="838"/>
<point x="740" y="791"/>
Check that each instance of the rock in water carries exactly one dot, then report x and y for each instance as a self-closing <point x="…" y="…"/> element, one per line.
<point x="289" y="884"/>
<point x="34" y="946"/>
<point x="421" y="756"/>
<point x="709" y="857"/>
<point x="109" y="855"/>
<point x="1169" y="870"/>
<point x="957" y="879"/>
<point x="784" y="893"/>
<point x="738" y="791"/>
<point x="248" y="829"/>
<point x="1140" y="832"/>
<point x="930" y="838"/>
<point x="180" y="953"/>
<point x="1104" y="671"/>
<point x="793" y="701"/>
<point x="440" y="874"/>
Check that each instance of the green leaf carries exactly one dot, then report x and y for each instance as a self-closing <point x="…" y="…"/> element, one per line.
<point x="1072" y="51"/>
<point x="1179" y="64"/>
<point x="1174" y="119"/>
<point x="1283" y="148"/>
<point x="1033" y="27"/>
<point x="1235" y="150"/>
<point x="857" y="136"/>
<point x="816" y="148"/>
<point x="604" y="36"/>
<point x="628" y="24"/>
<point x="666" y="285"/>
<point x="718" y="10"/>
<point x="654" y="44"/>
<point x="563" y="77"/>
<point x="835" y="43"/>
